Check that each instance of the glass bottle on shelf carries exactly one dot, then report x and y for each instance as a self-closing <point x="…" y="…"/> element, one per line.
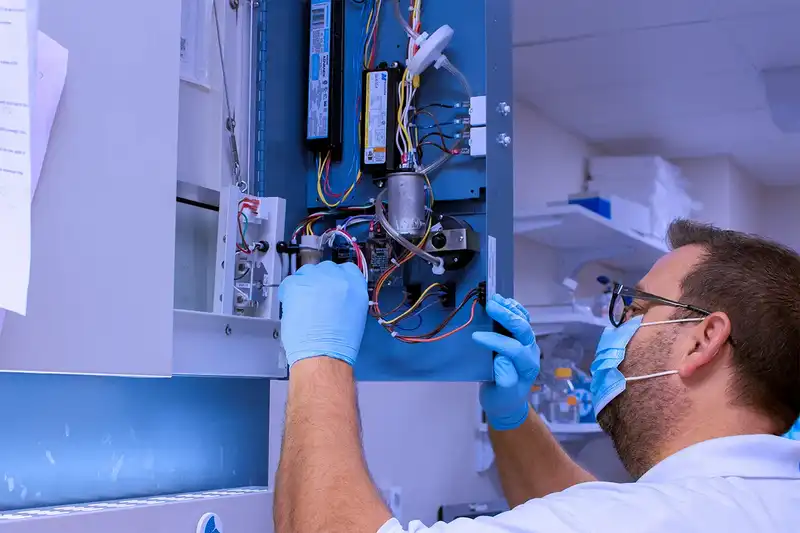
<point x="564" y="402"/>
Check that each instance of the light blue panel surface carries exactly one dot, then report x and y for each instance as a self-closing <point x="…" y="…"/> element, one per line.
<point x="69" y="439"/>
<point x="281" y="159"/>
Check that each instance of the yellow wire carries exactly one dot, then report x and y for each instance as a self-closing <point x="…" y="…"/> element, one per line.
<point x="430" y="191"/>
<point x="321" y="194"/>
<point x="411" y="309"/>
<point x="366" y="48"/>
<point x="400" y="108"/>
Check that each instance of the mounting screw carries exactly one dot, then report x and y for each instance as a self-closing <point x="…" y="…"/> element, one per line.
<point x="234" y="4"/>
<point x="228" y="329"/>
<point x="504" y="109"/>
<point x="220" y="297"/>
<point x="504" y="140"/>
<point x="222" y="264"/>
<point x="275" y="334"/>
<point x="224" y="238"/>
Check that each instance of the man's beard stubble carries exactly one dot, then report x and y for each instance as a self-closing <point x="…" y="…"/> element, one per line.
<point x="647" y="413"/>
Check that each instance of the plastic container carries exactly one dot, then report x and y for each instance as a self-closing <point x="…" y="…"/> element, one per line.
<point x="564" y="402"/>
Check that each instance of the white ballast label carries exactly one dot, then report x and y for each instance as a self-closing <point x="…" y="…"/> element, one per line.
<point x="376" y="119"/>
<point x="491" y="267"/>
<point x="319" y="69"/>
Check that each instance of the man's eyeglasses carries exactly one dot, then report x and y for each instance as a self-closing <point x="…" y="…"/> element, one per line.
<point x="627" y="302"/>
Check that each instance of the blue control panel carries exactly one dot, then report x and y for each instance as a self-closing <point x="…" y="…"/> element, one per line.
<point x="460" y="214"/>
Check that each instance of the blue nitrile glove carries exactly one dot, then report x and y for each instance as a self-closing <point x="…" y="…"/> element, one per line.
<point x="324" y="312"/>
<point x="515" y="368"/>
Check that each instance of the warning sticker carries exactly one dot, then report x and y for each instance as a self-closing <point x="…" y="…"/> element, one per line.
<point x="319" y="70"/>
<point x="376" y="119"/>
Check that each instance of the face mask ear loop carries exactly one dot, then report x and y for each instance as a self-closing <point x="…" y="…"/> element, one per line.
<point x="676" y="321"/>
<point x="656" y="375"/>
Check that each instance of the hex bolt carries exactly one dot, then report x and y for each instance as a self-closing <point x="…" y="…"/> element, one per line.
<point x="504" y="109"/>
<point x="228" y="329"/>
<point x="504" y="140"/>
<point x="275" y="334"/>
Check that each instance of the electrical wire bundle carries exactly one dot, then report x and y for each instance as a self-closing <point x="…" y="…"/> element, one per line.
<point x="306" y="225"/>
<point x="245" y="203"/>
<point x="329" y="236"/>
<point x="393" y="325"/>
<point x="406" y="92"/>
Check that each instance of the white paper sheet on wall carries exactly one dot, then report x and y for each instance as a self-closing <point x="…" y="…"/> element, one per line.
<point x="16" y="62"/>
<point x="47" y="67"/>
<point x="196" y="35"/>
<point x="51" y="74"/>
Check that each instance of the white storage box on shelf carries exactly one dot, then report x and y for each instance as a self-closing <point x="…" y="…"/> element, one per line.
<point x="648" y="180"/>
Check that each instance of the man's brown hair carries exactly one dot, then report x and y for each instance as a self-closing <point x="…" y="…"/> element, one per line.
<point x="756" y="282"/>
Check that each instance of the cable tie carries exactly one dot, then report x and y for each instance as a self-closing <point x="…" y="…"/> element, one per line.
<point x="381" y="321"/>
<point x="394" y="334"/>
<point x="394" y="262"/>
<point x="371" y="303"/>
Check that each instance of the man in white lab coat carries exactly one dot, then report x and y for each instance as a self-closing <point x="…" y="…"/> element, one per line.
<point x="694" y="380"/>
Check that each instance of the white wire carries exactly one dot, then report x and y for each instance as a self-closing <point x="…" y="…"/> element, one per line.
<point x="330" y="235"/>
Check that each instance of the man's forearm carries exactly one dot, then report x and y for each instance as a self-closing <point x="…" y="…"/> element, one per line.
<point x="322" y="481"/>
<point x="531" y="462"/>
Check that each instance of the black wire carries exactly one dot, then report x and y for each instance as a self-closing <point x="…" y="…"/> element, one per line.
<point x="246" y="272"/>
<point x="439" y="133"/>
<point x="436" y="104"/>
<point x="437" y="145"/>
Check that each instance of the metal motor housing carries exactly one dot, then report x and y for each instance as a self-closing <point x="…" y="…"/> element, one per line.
<point x="406" y="197"/>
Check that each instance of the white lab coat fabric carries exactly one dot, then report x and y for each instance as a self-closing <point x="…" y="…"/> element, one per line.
<point x="745" y="484"/>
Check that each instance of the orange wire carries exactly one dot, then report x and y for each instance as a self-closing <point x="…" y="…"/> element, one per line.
<point x="445" y="335"/>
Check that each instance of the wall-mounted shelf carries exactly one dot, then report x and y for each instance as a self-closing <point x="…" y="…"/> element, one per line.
<point x="577" y="324"/>
<point x="584" y="236"/>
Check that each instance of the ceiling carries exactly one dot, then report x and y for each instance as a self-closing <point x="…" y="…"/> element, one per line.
<point x="680" y="78"/>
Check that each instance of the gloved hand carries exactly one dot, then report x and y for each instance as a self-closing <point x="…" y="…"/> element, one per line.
<point x="515" y="368"/>
<point x="324" y="312"/>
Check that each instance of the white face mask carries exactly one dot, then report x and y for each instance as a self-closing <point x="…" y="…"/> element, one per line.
<point x="607" y="380"/>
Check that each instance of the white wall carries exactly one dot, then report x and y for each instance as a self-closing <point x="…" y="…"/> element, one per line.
<point x="781" y="215"/>
<point x="549" y="162"/>
<point x="549" y="165"/>
<point x="731" y="199"/>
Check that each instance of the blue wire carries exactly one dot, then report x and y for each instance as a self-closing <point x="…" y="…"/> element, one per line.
<point x="418" y="313"/>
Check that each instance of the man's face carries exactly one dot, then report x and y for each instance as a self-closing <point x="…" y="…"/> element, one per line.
<point x="643" y="416"/>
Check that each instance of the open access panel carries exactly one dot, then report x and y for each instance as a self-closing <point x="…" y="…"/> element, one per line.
<point x="389" y="136"/>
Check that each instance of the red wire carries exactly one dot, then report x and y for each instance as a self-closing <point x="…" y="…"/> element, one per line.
<point x="326" y="182"/>
<point x="373" y="37"/>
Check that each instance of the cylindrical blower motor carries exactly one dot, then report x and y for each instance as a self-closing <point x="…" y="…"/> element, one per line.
<point x="406" y="197"/>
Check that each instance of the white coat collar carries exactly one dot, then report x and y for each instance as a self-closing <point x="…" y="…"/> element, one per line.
<point x="745" y="456"/>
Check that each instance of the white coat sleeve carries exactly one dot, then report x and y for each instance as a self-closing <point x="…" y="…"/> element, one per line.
<point x="588" y="507"/>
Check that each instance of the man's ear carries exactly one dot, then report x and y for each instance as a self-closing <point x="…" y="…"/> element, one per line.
<point x="709" y="338"/>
